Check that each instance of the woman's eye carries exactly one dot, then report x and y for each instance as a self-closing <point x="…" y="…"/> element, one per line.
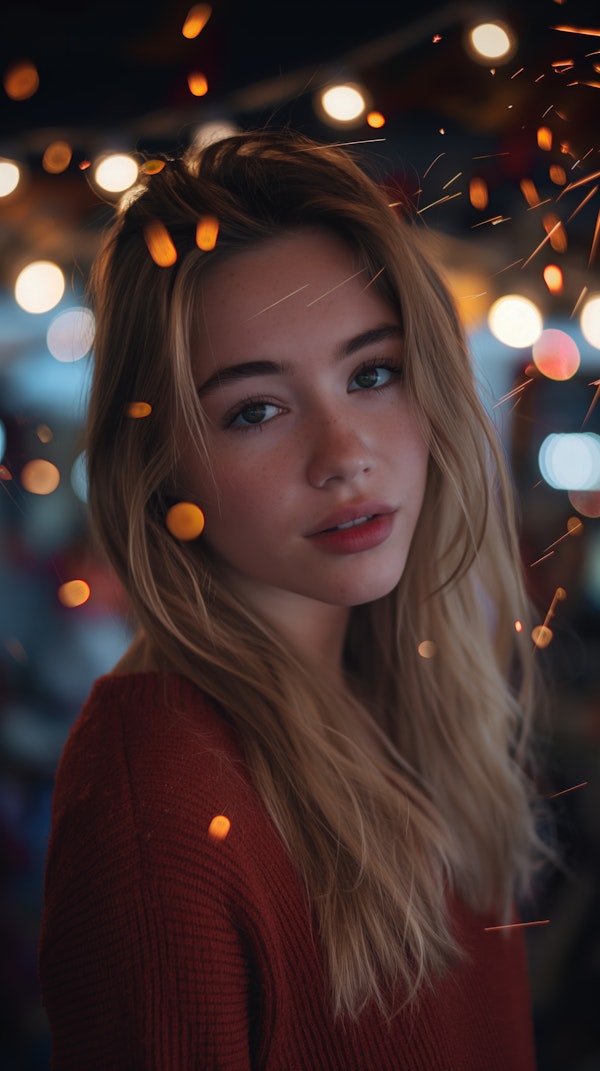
<point x="374" y="376"/>
<point x="254" y="414"/>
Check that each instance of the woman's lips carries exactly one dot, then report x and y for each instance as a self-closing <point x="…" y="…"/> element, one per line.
<point x="357" y="537"/>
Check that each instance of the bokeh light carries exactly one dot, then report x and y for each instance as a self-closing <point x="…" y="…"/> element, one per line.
<point x="207" y="232"/>
<point x="342" y="103"/>
<point x="542" y="636"/>
<point x="79" y="480"/>
<point x="44" y="433"/>
<point x="71" y="334"/>
<point x="74" y="593"/>
<point x="478" y="193"/>
<point x="491" y="41"/>
<point x="39" y="286"/>
<point x="376" y="120"/>
<point x="139" y="410"/>
<point x="2" y="440"/>
<point x="197" y="83"/>
<point x="571" y="461"/>
<point x="40" y="477"/>
<point x="21" y="80"/>
<point x="185" y="521"/>
<point x="426" y="649"/>
<point x="544" y="138"/>
<point x="589" y="320"/>
<point x="9" y="177"/>
<point x="219" y="827"/>
<point x="212" y="131"/>
<point x="160" y="244"/>
<point x="553" y="278"/>
<point x="196" y="20"/>
<point x="515" y="320"/>
<point x="57" y="157"/>
<point x="586" y="502"/>
<point x="556" y="355"/>
<point x="116" y="172"/>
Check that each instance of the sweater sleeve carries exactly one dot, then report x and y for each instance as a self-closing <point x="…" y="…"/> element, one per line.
<point x="141" y="963"/>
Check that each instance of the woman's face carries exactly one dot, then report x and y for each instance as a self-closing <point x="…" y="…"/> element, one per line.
<point x="318" y="466"/>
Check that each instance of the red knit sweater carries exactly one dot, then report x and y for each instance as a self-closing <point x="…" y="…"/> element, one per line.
<point x="163" y="949"/>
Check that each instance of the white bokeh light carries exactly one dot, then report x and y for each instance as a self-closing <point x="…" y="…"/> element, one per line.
<point x="9" y="177"/>
<point x="71" y="334"/>
<point x="571" y="462"/>
<point x="343" y="103"/>
<point x="515" y="320"/>
<point x="491" y="41"/>
<point x="590" y="321"/>
<point x="79" y="481"/>
<point x="116" y="173"/>
<point x="39" y="286"/>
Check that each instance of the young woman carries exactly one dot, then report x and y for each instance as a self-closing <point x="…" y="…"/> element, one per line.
<point x="288" y="823"/>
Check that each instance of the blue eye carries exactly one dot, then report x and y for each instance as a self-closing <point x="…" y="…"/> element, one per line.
<point x="374" y="376"/>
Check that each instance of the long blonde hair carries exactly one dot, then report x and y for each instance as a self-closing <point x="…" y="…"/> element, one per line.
<point x="443" y="804"/>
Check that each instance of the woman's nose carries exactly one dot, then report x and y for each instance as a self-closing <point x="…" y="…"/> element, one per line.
<point x="337" y="450"/>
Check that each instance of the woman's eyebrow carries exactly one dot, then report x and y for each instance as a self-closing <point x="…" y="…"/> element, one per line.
<point x="247" y="369"/>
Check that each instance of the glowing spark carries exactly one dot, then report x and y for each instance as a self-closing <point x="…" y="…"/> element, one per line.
<point x="219" y="827"/>
<point x="327" y="292"/>
<point x="494" y="220"/>
<point x="542" y="244"/>
<point x="571" y="531"/>
<point x="583" y="203"/>
<point x="341" y="144"/>
<point x="579" y="182"/>
<point x="450" y="181"/>
<point x="516" y="925"/>
<point x="490" y="156"/>
<point x="578" y="303"/>
<point x="564" y="792"/>
<point x="160" y="244"/>
<point x="185" y="521"/>
<point x="575" y="29"/>
<point x="442" y="200"/>
<point x="508" y="266"/>
<point x="595" y="239"/>
<point x="520" y="71"/>
<point x="595" y="383"/>
<point x="539" y="560"/>
<point x="438" y="157"/>
<point x="375" y="277"/>
<point x="563" y="65"/>
<point x="575" y="525"/>
<point x="279" y="300"/>
<point x="512" y="393"/>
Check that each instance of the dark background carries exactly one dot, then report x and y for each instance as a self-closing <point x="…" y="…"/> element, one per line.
<point x="114" y="77"/>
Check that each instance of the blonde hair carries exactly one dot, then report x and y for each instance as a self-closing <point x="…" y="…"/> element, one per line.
<point x="441" y="801"/>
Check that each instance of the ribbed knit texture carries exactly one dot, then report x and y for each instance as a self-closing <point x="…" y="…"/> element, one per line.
<point x="164" y="950"/>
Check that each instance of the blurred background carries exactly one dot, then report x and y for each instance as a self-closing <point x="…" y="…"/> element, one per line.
<point x="493" y="134"/>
